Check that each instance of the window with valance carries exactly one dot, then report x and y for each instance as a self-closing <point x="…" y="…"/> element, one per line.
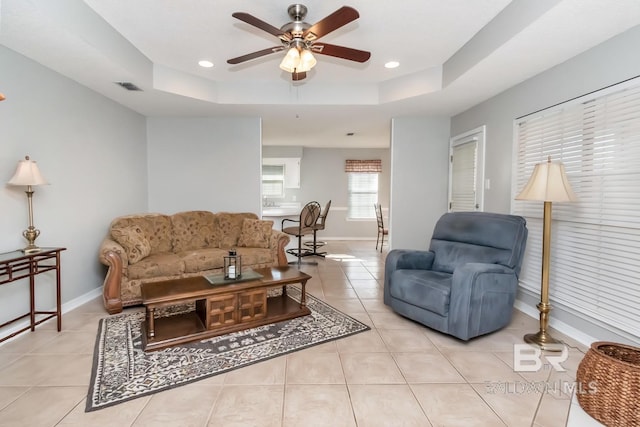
<point x="362" y="187"/>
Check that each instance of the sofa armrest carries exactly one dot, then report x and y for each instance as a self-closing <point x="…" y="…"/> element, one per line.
<point x="279" y="242"/>
<point x="109" y="245"/>
<point x="482" y="298"/>
<point x="114" y="256"/>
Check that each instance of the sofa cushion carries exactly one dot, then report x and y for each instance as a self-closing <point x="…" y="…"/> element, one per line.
<point x="195" y="230"/>
<point x="255" y="233"/>
<point x="426" y="289"/>
<point x="133" y="240"/>
<point x="202" y="259"/>
<point x="256" y="257"/>
<point x="165" y="264"/>
<point x="231" y="227"/>
<point x="156" y="228"/>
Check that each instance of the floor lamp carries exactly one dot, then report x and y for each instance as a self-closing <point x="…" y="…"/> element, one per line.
<point x="28" y="173"/>
<point x="548" y="183"/>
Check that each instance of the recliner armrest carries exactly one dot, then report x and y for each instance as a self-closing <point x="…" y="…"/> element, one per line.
<point x="404" y="259"/>
<point x="409" y="259"/>
<point x="481" y="298"/>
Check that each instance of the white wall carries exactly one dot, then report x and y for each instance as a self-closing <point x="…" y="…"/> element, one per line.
<point x="609" y="63"/>
<point x="209" y="164"/>
<point x="419" y="179"/>
<point x="93" y="153"/>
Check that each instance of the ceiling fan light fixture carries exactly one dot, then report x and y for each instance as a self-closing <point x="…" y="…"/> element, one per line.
<point x="307" y="61"/>
<point x="291" y="60"/>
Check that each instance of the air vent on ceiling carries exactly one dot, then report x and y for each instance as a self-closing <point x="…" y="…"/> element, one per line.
<point x="128" y="86"/>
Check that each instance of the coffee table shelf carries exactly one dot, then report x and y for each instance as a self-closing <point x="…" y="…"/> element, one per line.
<point x="219" y="309"/>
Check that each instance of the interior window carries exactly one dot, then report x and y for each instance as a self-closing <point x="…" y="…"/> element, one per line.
<point x="272" y="181"/>
<point x="363" y="194"/>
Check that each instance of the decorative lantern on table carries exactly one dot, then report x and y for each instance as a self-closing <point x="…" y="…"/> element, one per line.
<point x="232" y="266"/>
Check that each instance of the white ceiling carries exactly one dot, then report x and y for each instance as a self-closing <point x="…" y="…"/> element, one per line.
<point x="453" y="54"/>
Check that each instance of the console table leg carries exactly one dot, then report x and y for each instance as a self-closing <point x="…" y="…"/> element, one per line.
<point x="58" y="293"/>
<point x="32" y="292"/>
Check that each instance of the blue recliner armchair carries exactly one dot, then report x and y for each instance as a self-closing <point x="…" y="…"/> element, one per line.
<point x="465" y="284"/>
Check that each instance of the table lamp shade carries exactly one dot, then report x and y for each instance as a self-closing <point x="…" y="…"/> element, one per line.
<point x="548" y="183"/>
<point x="27" y="173"/>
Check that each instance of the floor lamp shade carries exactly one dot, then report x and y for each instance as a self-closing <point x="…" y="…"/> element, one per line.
<point x="548" y="183"/>
<point x="28" y="174"/>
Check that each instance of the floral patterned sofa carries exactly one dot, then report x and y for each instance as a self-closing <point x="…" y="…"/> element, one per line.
<point x="153" y="247"/>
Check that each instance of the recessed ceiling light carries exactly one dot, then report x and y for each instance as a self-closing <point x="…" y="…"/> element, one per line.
<point x="205" y="64"/>
<point x="392" y="64"/>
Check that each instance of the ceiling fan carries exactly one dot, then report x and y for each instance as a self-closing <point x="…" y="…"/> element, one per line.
<point x="301" y="39"/>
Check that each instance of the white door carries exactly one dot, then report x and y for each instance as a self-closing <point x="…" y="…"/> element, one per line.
<point x="466" y="171"/>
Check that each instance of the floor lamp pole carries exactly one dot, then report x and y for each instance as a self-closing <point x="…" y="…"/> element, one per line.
<point x="542" y="338"/>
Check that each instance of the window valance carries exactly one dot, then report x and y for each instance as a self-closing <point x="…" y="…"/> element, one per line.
<point x="363" y="166"/>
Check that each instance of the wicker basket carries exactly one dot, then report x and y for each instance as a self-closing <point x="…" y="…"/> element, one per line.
<point x="608" y="386"/>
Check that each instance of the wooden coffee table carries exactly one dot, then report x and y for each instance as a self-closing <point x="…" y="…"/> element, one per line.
<point x="219" y="309"/>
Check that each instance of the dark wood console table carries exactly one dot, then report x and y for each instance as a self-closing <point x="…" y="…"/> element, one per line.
<point x="17" y="265"/>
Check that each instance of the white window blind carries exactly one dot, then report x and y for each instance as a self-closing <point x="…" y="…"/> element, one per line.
<point x="272" y="180"/>
<point x="463" y="177"/>
<point x="595" y="242"/>
<point x="363" y="194"/>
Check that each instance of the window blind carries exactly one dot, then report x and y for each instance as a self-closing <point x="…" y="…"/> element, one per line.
<point x="463" y="179"/>
<point x="272" y="180"/>
<point x="595" y="242"/>
<point x="363" y="194"/>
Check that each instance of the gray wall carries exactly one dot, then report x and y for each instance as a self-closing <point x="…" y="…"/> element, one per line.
<point x="419" y="179"/>
<point x="604" y="65"/>
<point x="609" y="63"/>
<point x="322" y="178"/>
<point x="93" y="153"/>
<point x="204" y="164"/>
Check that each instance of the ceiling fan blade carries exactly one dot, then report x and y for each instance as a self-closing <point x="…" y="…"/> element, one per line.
<point x="337" y="19"/>
<point x="258" y="23"/>
<point x="298" y="76"/>
<point x="341" y="52"/>
<point x="254" y="55"/>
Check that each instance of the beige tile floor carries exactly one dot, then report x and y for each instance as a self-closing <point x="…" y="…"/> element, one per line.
<point x="397" y="374"/>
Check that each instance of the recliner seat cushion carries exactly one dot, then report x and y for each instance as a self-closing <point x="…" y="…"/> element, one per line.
<point x="427" y="289"/>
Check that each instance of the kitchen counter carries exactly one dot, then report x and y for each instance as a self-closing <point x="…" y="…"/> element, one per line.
<point x="280" y="211"/>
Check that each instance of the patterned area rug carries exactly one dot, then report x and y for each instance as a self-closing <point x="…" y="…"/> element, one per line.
<point x="122" y="371"/>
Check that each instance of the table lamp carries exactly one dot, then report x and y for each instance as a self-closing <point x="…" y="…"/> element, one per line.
<point x="28" y="173"/>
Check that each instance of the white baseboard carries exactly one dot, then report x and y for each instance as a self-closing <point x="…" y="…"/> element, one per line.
<point x="65" y="308"/>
